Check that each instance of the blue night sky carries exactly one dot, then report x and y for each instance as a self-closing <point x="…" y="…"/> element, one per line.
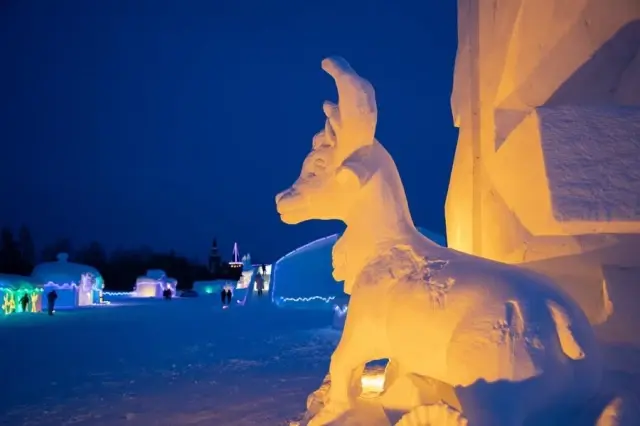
<point x="167" y="122"/>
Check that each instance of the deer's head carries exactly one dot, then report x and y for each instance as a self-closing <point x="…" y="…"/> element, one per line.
<point x="333" y="172"/>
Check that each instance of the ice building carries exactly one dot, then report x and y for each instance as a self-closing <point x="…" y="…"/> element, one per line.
<point x="154" y="283"/>
<point x="76" y="284"/>
<point x="12" y="290"/>
<point x="247" y="286"/>
<point x="304" y="277"/>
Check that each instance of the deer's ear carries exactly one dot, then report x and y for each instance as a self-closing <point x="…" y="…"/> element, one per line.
<point x="352" y="174"/>
<point x="357" y="168"/>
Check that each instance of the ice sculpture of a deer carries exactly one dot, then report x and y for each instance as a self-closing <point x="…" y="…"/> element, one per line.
<point x="432" y="311"/>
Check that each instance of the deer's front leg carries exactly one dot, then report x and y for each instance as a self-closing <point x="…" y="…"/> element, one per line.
<point x="345" y="370"/>
<point x="358" y="345"/>
<point x="347" y="365"/>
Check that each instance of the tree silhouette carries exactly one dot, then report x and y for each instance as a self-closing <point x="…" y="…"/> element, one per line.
<point x="93" y="254"/>
<point x="51" y="251"/>
<point x="10" y="256"/>
<point x="119" y="270"/>
<point x="27" y="248"/>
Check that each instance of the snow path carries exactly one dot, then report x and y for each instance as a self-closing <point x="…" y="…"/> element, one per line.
<point x="184" y="362"/>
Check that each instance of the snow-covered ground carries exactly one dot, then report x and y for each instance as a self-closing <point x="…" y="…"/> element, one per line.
<point x="183" y="362"/>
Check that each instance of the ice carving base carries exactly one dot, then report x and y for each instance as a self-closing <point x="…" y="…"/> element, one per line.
<point x="411" y="400"/>
<point x="493" y="335"/>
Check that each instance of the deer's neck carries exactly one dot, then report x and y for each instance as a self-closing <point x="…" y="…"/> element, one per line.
<point x="381" y="218"/>
<point x="381" y="210"/>
<point x="380" y="221"/>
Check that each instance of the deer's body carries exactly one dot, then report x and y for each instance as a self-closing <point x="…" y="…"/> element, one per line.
<point x="457" y="318"/>
<point x="431" y="311"/>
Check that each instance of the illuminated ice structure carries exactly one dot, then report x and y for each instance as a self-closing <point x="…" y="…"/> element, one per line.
<point x="75" y="284"/>
<point x="247" y="286"/>
<point x="303" y="278"/>
<point x="153" y="284"/>
<point x="212" y="287"/>
<point x="546" y="173"/>
<point x="464" y="334"/>
<point x="13" y="288"/>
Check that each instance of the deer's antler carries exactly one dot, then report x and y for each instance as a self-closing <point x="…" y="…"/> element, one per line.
<point x="354" y="118"/>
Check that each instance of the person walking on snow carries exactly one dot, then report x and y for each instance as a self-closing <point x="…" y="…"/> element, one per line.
<point x="223" y="297"/>
<point x="24" y="301"/>
<point x="167" y="293"/>
<point x="260" y="284"/>
<point x="51" y="301"/>
<point x="229" y="295"/>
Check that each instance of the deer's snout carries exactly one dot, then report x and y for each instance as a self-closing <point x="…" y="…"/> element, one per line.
<point x="289" y="199"/>
<point x="283" y="194"/>
<point x="292" y="206"/>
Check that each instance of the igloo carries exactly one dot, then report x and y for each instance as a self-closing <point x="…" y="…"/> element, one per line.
<point x="75" y="284"/>
<point x="153" y="284"/>
<point x="546" y="174"/>
<point x="501" y="342"/>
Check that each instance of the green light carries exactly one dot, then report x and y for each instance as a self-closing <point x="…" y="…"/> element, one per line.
<point x="99" y="284"/>
<point x="11" y="299"/>
<point x="9" y="303"/>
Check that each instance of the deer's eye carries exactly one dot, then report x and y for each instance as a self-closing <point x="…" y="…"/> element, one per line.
<point x="319" y="164"/>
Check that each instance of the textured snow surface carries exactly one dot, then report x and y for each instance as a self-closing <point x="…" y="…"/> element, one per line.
<point x="546" y="171"/>
<point x="183" y="362"/>
<point x="545" y="96"/>
<point x="591" y="161"/>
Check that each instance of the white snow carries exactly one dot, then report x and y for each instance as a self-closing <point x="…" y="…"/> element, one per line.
<point x="153" y="362"/>
<point x="188" y="362"/>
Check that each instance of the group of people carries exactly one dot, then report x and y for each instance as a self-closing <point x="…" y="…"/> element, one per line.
<point x="51" y="301"/>
<point x="225" y="296"/>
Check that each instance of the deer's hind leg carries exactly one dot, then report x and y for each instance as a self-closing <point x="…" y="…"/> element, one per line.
<point x="491" y="361"/>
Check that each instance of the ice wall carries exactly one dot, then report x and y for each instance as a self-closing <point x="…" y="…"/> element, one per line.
<point x="547" y="168"/>
<point x="303" y="278"/>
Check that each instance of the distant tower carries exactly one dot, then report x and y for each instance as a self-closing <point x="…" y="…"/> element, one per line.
<point x="237" y="263"/>
<point x="215" y="261"/>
